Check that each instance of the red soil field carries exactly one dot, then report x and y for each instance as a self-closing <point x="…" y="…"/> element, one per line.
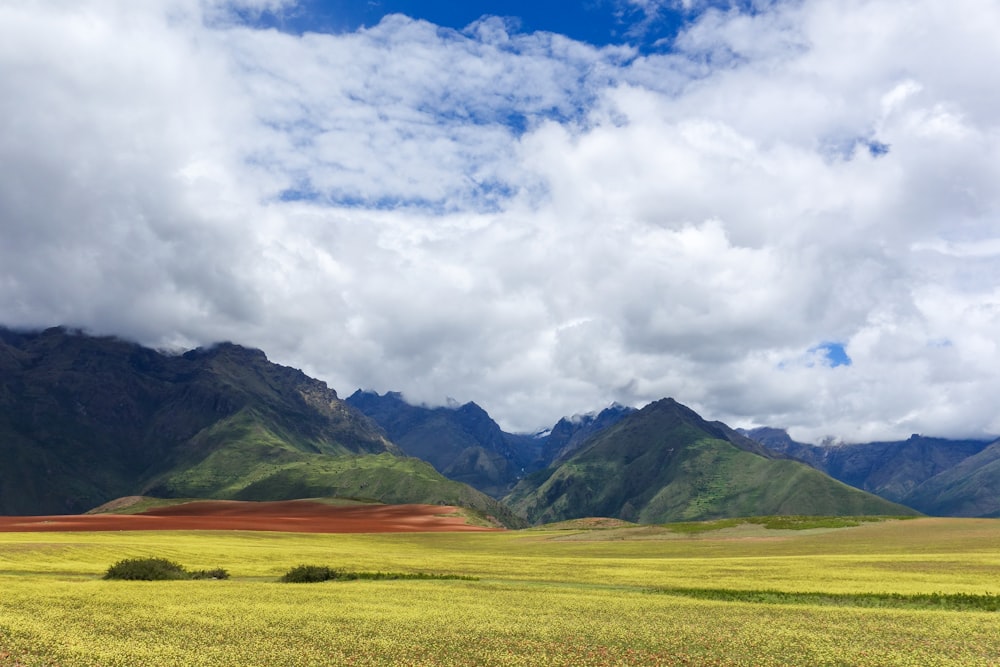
<point x="294" y="516"/>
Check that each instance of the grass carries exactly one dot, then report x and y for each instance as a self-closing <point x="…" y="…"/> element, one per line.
<point x="939" y="601"/>
<point x="140" y="504"/>
<point x="259" y="464"/>
<point x="137" y="504"/>
<point x="792" y="522"/>
<point x="888" y="593"/>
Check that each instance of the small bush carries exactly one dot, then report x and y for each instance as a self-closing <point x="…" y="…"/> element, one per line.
<point x="158" y="569"/>
<point x="145" y="569"/>
<point x="308" y="574"/>
<point x="217" y="573"/>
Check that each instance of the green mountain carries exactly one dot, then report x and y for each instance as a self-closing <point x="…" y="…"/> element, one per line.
<point x="665" y="463"/>
<point x="84" y="420"/>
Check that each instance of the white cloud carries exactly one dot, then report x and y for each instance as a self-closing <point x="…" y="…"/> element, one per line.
<point x="523" y="220"/>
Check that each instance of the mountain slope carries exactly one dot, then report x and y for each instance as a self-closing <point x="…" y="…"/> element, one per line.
<point x="665" y="463"/>
<point x="892" y="470"/>
<point x="463" y="442"/>
<point x="84" y="420"/>
<point x="969" y="488"/>
<point x="569" y="433"/>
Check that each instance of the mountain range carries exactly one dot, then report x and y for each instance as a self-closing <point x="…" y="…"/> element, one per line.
<point x="461" y="442"/>
<point x="465" y="444"/>
<point x="86" y="419"/>
<point x="933" y="475"/>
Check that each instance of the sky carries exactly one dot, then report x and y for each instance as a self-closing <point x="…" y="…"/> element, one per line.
<point x="779" y="213"/>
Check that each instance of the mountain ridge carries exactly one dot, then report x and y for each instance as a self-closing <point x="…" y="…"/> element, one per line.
<point x="86" y="419"/>
<point x="570" y="433"/>
<point x="666" y="463"/>
<point x="465" y="444"/>
<point x="937" y="476"/>
<point x="461" y="441"/>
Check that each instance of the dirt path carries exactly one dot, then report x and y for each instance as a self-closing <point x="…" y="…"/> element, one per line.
<point x="296" y="516"/>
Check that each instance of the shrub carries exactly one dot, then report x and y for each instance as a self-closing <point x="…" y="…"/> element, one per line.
<point x="307" y="574"/>
<point x="145" y="569"/>
<point x="158" y="569"/>
<point x="217" y="573"/>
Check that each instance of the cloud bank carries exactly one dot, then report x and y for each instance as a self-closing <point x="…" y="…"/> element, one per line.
<point x="522" y="220"/>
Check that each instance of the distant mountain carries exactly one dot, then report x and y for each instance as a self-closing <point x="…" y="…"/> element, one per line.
<point x="569" y="434"/>
<point x="463" y="443"/>
<point x="665" y="463"/>
<point x="893" y="470"/>
<point x="969" y="488"/>
<point x="87" y="419"/>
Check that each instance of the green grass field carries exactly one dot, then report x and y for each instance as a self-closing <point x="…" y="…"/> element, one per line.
<point x="915" y="592"/>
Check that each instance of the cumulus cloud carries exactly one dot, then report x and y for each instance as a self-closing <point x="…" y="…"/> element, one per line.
<point x="522" y="220"/>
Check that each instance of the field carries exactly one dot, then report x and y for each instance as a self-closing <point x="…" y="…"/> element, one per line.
<point x="290" y="516"/>
<point x="915" y="592"/>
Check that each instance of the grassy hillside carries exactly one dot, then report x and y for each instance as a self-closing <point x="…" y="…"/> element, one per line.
<point x="249" y="462"/>
<point x="664" y="463"/>
<point x="85" y="420"/>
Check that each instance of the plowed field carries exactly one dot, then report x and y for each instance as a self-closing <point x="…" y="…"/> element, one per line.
<point x="297" y="516"/>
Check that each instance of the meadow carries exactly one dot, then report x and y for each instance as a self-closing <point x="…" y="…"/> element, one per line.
<point x="915" y="592"/>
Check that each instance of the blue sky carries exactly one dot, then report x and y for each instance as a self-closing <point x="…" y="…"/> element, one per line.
<point x="598" y="22"/>
<point x="778" y="212"/>
<point x="834" y="354"/>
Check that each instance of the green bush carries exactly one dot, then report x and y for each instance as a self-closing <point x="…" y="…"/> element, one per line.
<point x="307" y="574"/>
<point x="146" y="569"/>
<point x="158" y="569"/>
<point x="217" y="573"/>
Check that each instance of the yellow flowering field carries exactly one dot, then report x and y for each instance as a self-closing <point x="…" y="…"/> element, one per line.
<point x="541" y="598"/>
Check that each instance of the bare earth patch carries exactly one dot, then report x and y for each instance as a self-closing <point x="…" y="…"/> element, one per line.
<point x="296" y="516"/>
